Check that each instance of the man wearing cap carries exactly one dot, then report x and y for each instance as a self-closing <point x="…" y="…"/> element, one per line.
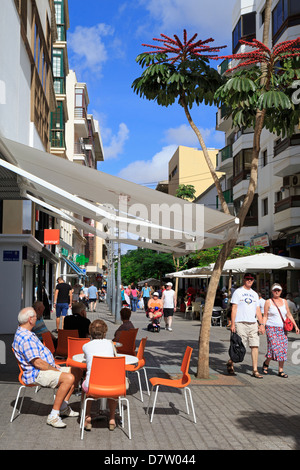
<point x="169" y="305"/>
<point x="245" y="314"/>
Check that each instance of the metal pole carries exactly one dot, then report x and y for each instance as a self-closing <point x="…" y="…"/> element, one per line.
<point x="108" y="290"/>
<point x="118" y="290"/>
<point x="113" y="283"/>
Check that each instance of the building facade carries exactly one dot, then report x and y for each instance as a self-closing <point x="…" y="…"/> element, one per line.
<point x="274" y="217"/>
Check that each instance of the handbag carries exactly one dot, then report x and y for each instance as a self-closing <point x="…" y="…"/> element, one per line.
<point x="287" y="323"/>
<point x="237" y="349"/>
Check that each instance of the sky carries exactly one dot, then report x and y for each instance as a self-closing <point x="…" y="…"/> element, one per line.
<point x="105" y="36"/>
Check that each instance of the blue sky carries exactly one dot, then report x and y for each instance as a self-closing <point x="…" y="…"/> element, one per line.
<point x="105" y="36"/>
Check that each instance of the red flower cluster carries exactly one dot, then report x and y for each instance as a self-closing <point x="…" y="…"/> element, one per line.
<point x="181" y="51"/>
<point x="281" y="51"/>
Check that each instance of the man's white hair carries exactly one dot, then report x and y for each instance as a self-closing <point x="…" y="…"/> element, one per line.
<point x="25" y="314"/>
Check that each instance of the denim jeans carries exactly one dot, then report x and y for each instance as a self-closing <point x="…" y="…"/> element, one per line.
<point x="134" y="302"/>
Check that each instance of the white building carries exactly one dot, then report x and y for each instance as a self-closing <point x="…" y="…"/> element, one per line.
<point x="275" y="211"/>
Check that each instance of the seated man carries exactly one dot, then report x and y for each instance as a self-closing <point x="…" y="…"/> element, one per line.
<point x="40" y="326"/>
<point x="155" y="307"/>
<point x="39" y="368"/>
<point x="78" y="320"/>
<point x="126" y="323"/>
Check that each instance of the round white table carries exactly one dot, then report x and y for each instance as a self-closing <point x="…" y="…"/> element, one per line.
<point x="128" y="359"/>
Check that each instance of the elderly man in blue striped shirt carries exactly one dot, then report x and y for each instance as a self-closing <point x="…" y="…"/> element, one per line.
<point x="39" y="368"/>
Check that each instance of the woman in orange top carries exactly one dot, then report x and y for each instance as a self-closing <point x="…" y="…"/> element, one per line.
<point x="155" y="307"/>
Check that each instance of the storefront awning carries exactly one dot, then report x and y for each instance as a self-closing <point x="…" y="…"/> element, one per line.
<point x="174" y="225"/>
<point x="74" y="267"/>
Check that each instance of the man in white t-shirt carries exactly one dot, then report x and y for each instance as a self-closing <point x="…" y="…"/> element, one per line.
<point x="245" y="314"/>
<point x="169" y="305"/>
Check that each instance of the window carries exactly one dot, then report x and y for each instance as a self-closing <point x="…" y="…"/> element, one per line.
<point x="265" y="204"/>
<point x="285" y="14"/>
<point x="27" y="217"/>
<point x="264" y="159"/>
<point x="245" y="28"/>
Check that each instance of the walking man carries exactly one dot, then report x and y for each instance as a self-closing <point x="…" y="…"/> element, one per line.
<point x="62" y="300"/>
<point x="93" y="297"/>
<point x="245" y="314"/>
<point x="169" y="305"/>
<point x="146" y="295"/>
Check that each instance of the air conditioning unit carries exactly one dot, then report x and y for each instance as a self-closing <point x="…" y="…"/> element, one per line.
<point x="295" y="180"/>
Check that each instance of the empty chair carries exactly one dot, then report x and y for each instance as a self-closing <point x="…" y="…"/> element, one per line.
<point x="48" y="342"/>
<point x="140" y="365"/>
<point x="127" y="339"/>
<point x="197" y="308"/>
<point x="75" y="347"/>
<point x="216" y="316"/>
<point x="62" y="341"/>
<point x="107" y="380"/>
<point x="183" y="383"/>
<point x="188" y="310"/>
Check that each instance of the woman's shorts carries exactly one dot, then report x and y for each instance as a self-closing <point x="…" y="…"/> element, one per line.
<point x="50" y="378"/>
<point x="249" y="333"/>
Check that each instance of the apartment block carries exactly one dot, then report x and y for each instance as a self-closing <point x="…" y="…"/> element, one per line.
<point x="274" y="216"/>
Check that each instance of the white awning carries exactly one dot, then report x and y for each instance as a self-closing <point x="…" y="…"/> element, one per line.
<point x="174" y="225"/>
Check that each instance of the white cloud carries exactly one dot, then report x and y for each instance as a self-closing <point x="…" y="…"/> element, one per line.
<point x="88" y="48"/>
<point x="184" y="135"/>
<point x="149" y="171"/>
<point x="116" y="143"/>
<point x="208" y="18"/>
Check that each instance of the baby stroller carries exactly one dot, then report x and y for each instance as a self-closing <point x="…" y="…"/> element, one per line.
<point x="154" y="314"/>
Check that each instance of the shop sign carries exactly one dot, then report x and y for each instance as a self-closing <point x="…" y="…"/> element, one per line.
<point x="261" y="240"/>
<point x="51" y="236"/>
<point x="11" y="255"/>
<point x="293" y="239"/>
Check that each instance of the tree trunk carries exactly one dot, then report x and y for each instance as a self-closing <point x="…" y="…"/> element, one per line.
<point x="204" y="338"/>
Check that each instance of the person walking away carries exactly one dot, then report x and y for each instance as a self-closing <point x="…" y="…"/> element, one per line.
<point x="146" y="295"/>
<point x="245" y="313"/>
<point x="39" y="368"/>
<point x="62" y="301"/>
<point x="275" y="312"/>
<point x="169" y="305"/>
<point x="92" y="297"/>
<point x="134" y="298"/>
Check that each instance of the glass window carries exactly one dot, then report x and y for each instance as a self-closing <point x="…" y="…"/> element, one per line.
<point x="249" y="24"/>
<point x="236" y="35"/>
<point x="294" y="7"/>
<point x="27" y="216"/>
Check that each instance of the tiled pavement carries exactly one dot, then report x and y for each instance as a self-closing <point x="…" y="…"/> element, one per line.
<point x="239" y="413"/>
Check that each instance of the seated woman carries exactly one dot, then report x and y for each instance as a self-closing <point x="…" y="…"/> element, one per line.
<point x="155" y="307"/>
<point x="98" y="346"/>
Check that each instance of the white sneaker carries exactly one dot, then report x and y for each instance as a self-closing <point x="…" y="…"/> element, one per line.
<point x="69" y="412"/>
<point x="170" y="329"/>
<point x="55" y="421"/>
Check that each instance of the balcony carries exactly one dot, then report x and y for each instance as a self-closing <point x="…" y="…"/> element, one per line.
<point x="225" y="158"/>
<point x="287" y="214"/>
<point x="228" y="196"/>
<point x="223" y="124"/>
<point x="80" y="154"/>
<point x="286" y="154"/>
<point x="80" y="122"/>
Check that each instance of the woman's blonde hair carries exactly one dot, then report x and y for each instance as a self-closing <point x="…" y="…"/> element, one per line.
<point x="98" y="329"/>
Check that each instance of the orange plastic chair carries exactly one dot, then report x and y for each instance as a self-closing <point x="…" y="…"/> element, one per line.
<point x="62" y="341"/>
<point x="75" y="347"/>
<point x="107" y="380"/>
<point x="183" y="382"/>
<point x="48" y="342"/>
<point x="127" y="339"/>
<point x="22" y="387"/>
<point x="140" y="365"/>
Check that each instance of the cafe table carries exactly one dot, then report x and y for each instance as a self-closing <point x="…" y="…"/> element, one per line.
<point x="129" y="360"/>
